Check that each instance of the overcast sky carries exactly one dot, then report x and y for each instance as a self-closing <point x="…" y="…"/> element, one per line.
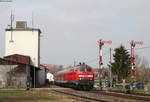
<point x="71" y="28"/>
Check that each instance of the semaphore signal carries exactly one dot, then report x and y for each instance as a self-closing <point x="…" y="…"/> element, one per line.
<point x="101" y="43"/>
<point x="133" y="44"/>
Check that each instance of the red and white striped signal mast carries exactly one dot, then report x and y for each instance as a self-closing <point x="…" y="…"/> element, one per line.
<point x="101" y="43"/>
<point x="133" y="43"/>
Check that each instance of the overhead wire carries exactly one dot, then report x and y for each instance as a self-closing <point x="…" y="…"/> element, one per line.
<point x="95" y="59"/>
<point x="146" y="47"/>
<point x="142" y="48"/>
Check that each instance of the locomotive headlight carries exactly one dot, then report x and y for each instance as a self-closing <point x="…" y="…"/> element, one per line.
<point x="89" y="76"/>
<point x="81" y="75"/>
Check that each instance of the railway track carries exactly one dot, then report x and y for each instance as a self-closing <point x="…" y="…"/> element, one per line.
<point x="81" y="96"/>
<point x="134" y="96"/>
<point x="130" y="92"/>
<point x="100" y="96"/>
<point x="105" y="96"/>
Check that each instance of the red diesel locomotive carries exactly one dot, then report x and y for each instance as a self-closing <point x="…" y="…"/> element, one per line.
<point x="80" y="77"/>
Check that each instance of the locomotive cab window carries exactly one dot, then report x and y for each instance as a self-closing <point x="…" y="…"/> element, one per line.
<point x="76" y="70"/>
<point x="85" y="69"/>
<point x="82" y="69"/>
<point x="71" y="70"/>
<point x="88" y="69"/>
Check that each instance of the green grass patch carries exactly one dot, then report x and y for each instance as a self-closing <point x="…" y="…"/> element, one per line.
<point x="31" y="96"/>
<point x="12" y="91"/>
<point x="141" y="91"/>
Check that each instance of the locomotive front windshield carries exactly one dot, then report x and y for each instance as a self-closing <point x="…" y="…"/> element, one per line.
<point x="85" y="68"/>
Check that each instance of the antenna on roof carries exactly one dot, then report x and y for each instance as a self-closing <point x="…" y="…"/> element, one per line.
<point x="11" y="26"/>
<point x="11" y="20"/>
<point x="32" y="20"/>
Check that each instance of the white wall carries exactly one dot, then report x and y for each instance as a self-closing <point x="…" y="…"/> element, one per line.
<point x="25" y="42"/>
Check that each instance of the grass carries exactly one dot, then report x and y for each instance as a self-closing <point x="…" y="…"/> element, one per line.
<point x="142" y="91"/>
<point x="11" y="91"/>
<point x="135" y="90"/>
<point x="32" y="96"/>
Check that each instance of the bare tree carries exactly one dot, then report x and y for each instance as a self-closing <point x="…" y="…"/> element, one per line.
<point x="142" y="70"/>
<point x="56" y="68"/>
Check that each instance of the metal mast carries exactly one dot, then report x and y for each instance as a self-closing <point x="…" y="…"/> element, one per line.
<point x="101" y="43"/>
<point x="110" y="68"/>
<point x="133" y="44"/>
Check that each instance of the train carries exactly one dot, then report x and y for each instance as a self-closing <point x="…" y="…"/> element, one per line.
<point x="80" y="77"/>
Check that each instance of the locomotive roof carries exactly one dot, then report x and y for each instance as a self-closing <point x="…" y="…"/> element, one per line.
<point x="67" y="69"/>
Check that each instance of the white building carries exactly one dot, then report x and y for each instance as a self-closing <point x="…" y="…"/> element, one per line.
<point x="24" y="41"/>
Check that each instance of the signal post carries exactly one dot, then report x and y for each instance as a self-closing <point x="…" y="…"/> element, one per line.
<point x="133" y="69"/>
<point x="101" y="43"/>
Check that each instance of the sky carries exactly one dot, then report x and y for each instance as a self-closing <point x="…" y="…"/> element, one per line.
<point x="71" y="28"/>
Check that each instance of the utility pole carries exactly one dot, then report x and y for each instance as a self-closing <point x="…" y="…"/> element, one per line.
<point x="133" y="69"/>
<point x="74" y="63"/>
<point x="34" y="77"/>
<point x="11" y="26"/>
<point x="110" y="68"/>
<point x="101" y="43"/>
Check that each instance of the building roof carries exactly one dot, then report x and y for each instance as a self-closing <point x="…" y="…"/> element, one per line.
<point x="23" y="29"/>
<point x="18" y="58"/>
<point x="49" y="66"/>
<point x="4" y="61"/>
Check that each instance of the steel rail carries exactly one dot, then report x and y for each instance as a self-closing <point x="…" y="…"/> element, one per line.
<point x="124" y="95"/>
<point x="88" y="99"/>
